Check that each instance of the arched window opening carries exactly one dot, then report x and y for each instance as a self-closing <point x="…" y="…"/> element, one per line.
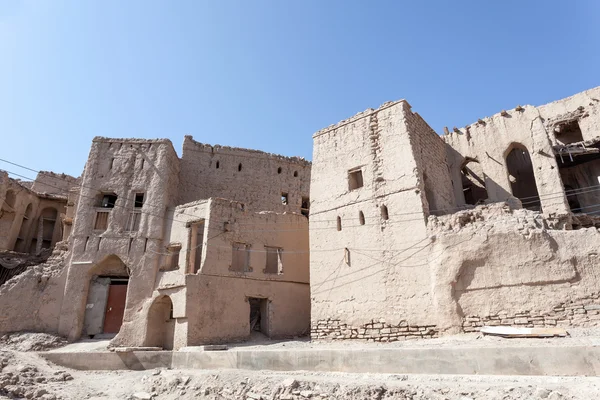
<point x="473" y="183"/>
<point x="522" y="178"/>
<point x="339" y="223"/>
<point x="384" y="213"/>
<point x="239" y="167"/>
<point x="361" y="218"/>
<point x="279" y="170"/>
<point x="217" y="165"/>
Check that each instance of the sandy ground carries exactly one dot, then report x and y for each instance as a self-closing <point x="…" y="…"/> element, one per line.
<point x="25" y="375"/>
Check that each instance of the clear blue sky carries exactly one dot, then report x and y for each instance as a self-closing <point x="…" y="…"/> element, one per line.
<point x="268" y="74"/>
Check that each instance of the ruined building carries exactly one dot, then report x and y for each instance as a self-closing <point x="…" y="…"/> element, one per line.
<point x="32" y="219"/>
<point x="414" y="234"/>
<point x="170" y="252"/>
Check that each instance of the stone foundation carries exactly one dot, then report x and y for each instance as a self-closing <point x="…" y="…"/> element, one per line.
<point x="578" y="313"/>
<point x="374" y="331"/>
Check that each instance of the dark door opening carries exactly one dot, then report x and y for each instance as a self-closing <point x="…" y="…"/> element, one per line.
<point x="522" y="178"/>
<point x="115" y="305"/>
<point x="259" y="316"/>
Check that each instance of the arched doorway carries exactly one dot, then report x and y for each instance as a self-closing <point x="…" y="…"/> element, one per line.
<point x="522" y="178"/>
<point x="107" y="296"/>
<point x="473" y="182"/>
<point x="161" y="324"/>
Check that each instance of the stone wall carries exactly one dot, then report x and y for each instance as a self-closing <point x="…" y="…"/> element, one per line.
<point x="583" y="312"/>
<point x="374" y="331"/>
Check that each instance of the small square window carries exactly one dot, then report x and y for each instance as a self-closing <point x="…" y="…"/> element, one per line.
<point x="107" y="200"/>
<point x="139" y="200"/>
<point x="355" y="179"/>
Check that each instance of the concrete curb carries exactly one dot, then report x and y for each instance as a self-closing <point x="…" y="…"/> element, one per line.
<point x="566" y="361"/>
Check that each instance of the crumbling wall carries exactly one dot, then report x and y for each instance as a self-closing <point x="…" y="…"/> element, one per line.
<point x="52" y="183"/>
<point x="495" y="265"/>
<point x="25" y="225"/>
<point x="490" y="140"/>
<point x="429" y="151"/>
<point x="253" y="177"/>
<point x="582" y="107"/>
<point x="31" y="300"/>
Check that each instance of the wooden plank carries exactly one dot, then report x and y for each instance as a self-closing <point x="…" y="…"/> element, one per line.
<point x="514" y="332"/>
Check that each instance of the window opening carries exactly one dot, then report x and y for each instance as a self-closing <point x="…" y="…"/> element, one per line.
<point x="240" y="260"/>
<point x="568" y="132"/>
<point x="274" y="264"/>
<point x="339" y="223"/>
<point x="139" y="200"/>
<point x="305" y="207"/>
<point x="217" y="165"/>
<point x="172" y="259"/>
<point x="101" y="222"/>
<point x="361" y="217"/>
<point x="295" y="174"/>
<point x="284" y="199"/>
<point x="355" y="179"/>
<point x="279" y="170"/>
<point x="240" y="167"/>
<point x="384" y="213"/>
<point x="108" y="200"/>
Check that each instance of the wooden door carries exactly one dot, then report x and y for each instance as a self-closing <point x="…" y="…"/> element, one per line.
<point x="115" y="308"/>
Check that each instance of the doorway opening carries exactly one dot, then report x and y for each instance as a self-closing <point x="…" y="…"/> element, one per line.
<point x="259" y="316"/>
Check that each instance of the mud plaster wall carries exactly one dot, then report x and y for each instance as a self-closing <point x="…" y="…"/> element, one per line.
<point x="288" y="309"/>
<point x="489" y="143"/>
<point x="31" y="301"/>
<point x="137" y="250"/>
<point x="583" y="106"/>
<point x="429" y="151"/>
<point x="53" y="183"/>
<point x="383" y="274"/>
<point x="507" y="266"/>
<point x="258" y="184"/>
<point x="216" y="293"/>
